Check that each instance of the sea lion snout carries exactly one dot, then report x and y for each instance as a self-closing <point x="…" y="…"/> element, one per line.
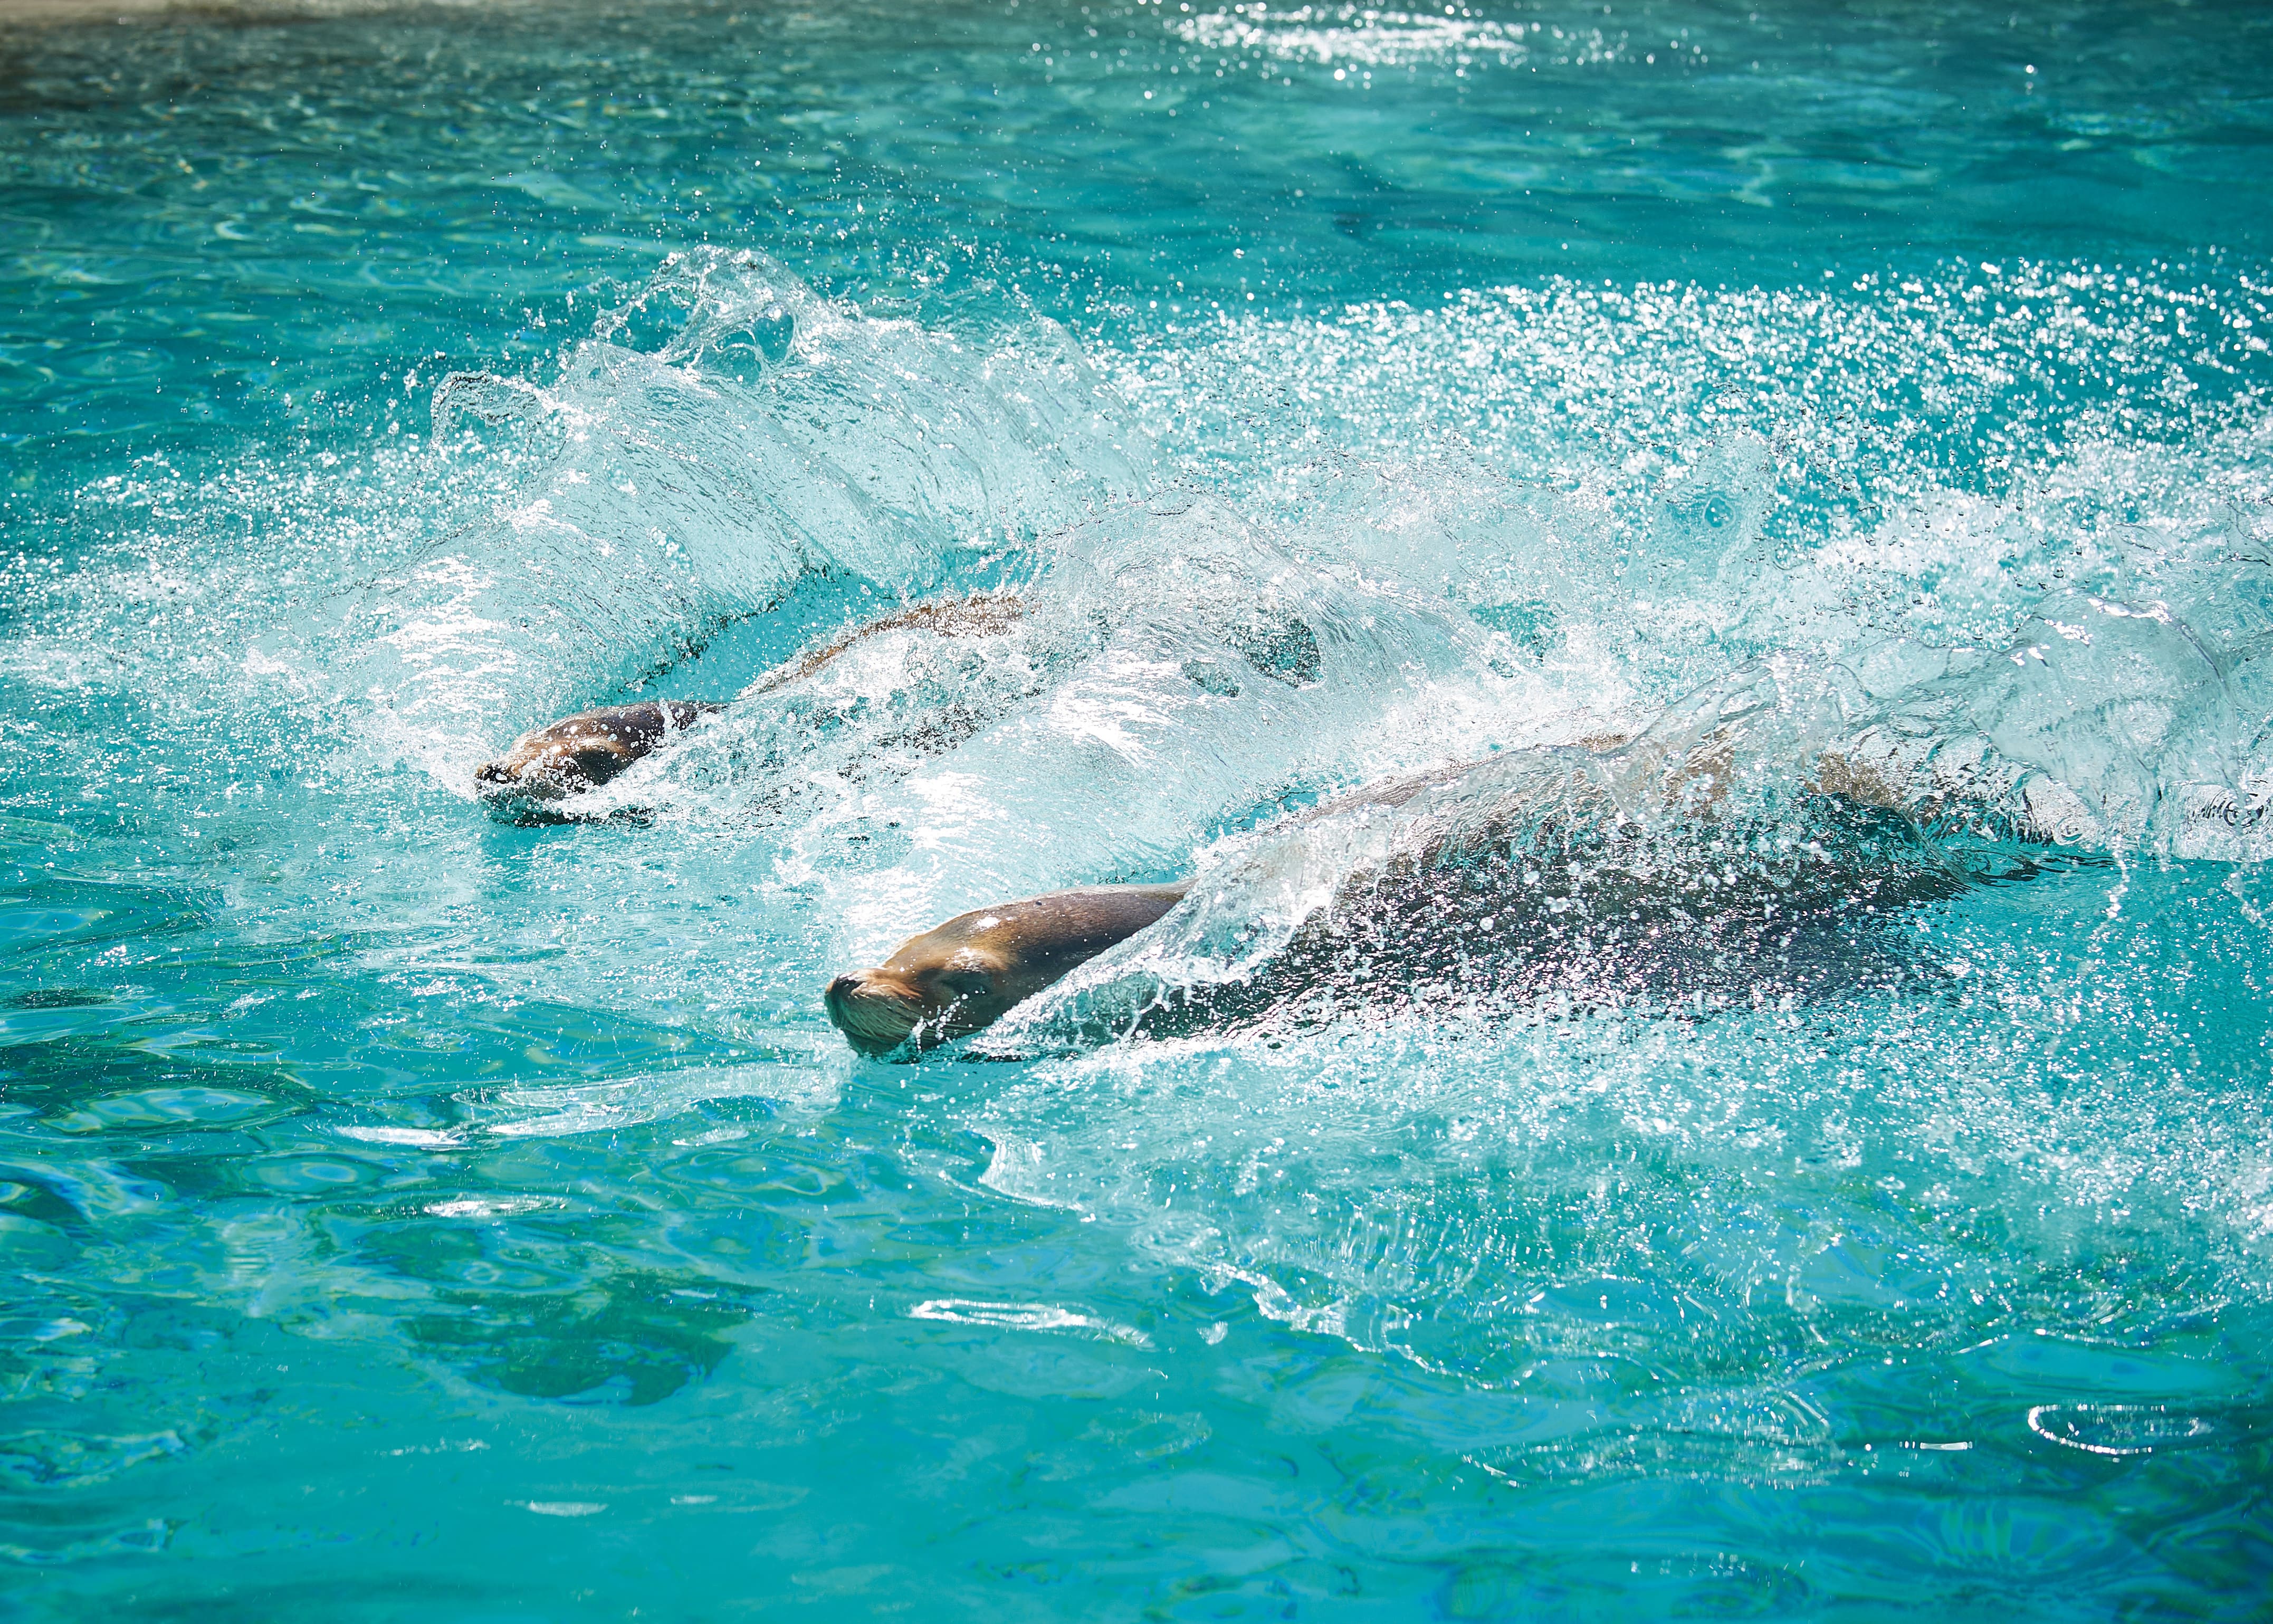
<point x="545" y="773"/>
<point x="876" y="1010"/>
<point x="881" y="1008"/>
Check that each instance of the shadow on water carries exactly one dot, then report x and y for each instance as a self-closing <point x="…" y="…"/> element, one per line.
<point x="626" y="1337"/>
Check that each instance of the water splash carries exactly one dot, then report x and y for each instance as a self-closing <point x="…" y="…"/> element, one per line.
<point x="719" y="437"/>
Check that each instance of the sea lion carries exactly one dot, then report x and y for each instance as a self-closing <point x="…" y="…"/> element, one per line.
<point x="581" y="753"/>
<point x="1627" y="865"/>
<point x="961" y="975"/>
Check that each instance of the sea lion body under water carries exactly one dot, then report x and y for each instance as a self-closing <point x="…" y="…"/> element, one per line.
<point x="1612" y="868"/>
<point x="579" y="753"/>
<point x="964" y="974"/>
<point x="989" y="614"/>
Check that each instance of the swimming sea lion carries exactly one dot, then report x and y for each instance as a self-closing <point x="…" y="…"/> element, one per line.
<point x="1622" y="861"/>
<point x="961" y="975"/>
<point x="581" y="753"/>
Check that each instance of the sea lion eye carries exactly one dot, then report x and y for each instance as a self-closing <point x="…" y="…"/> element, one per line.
<point x="966" y="983"/>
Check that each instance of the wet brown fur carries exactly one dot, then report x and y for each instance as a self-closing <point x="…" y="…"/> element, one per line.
<point x="581" y="753"/>
<point x="977" y="616"/>
<point x="964" y="974"/>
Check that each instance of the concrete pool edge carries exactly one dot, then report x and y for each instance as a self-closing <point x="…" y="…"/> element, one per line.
<point x="64" y="13"/>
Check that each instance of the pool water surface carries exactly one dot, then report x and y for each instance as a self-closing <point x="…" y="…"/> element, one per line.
<point x="408" y="1212"/>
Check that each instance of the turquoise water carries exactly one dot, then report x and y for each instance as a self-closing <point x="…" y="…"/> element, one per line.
<point x="411" y="1215"/>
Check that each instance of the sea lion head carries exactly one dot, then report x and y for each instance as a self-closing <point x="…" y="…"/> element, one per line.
<point x="923" y="994"/>
<point x="581" y="753"/>
<point x="967" y="973"/>
<point x="545" y="767"/>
